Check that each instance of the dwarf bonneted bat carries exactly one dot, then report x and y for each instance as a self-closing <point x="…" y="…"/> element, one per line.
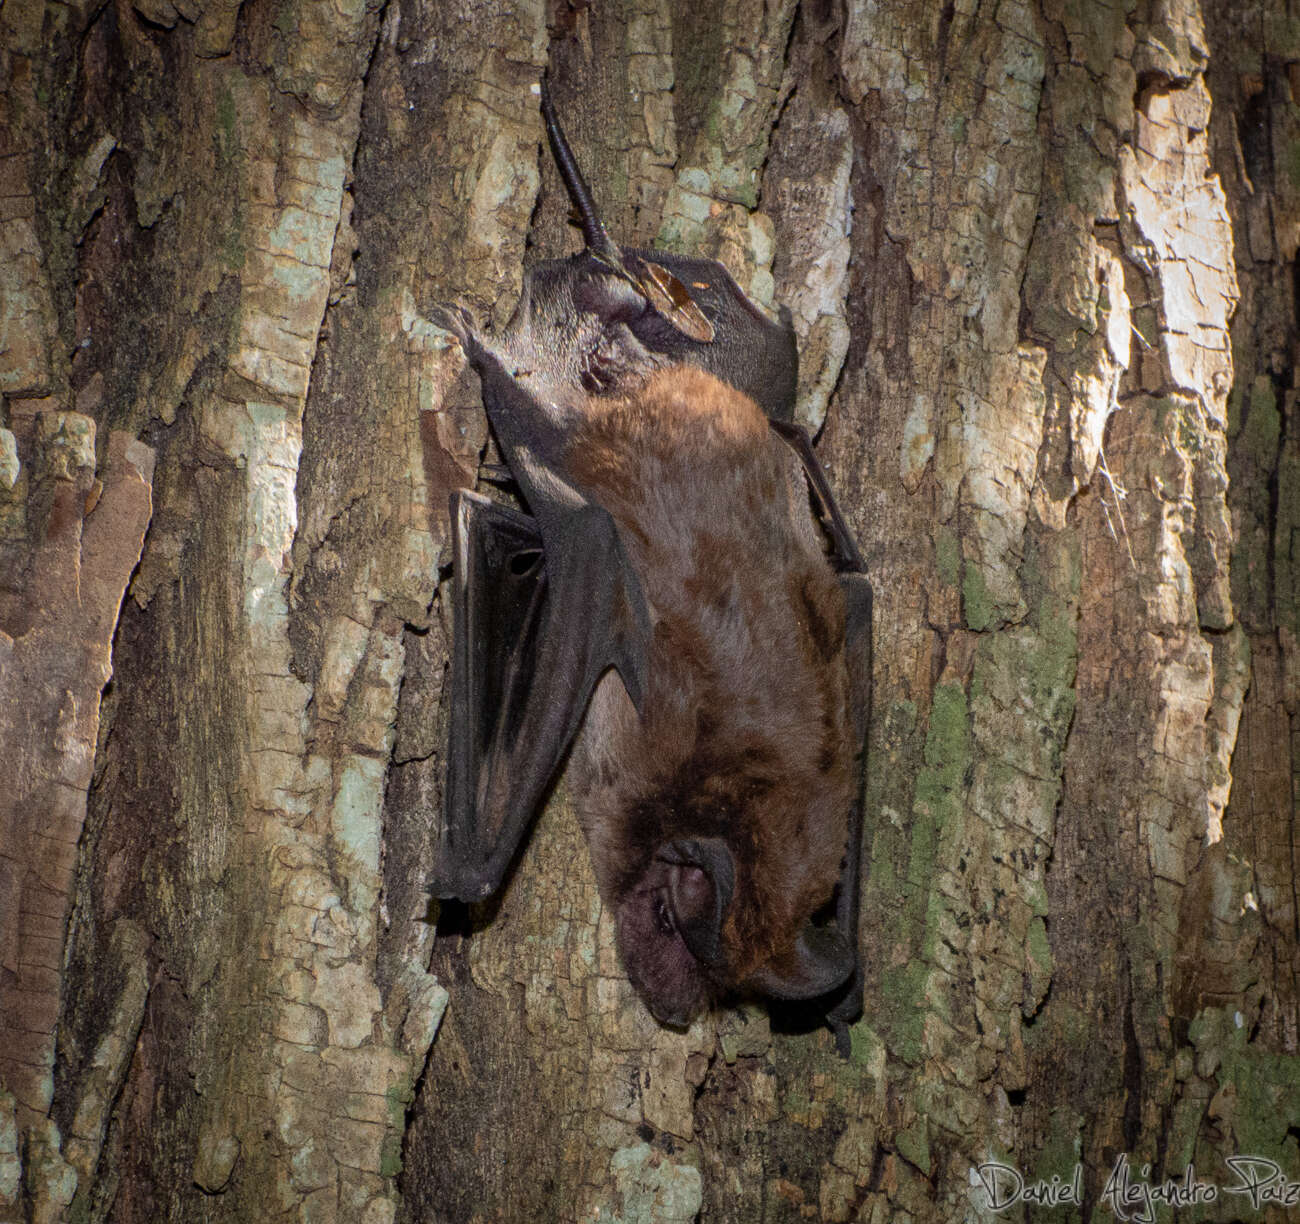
<point x="684" y="599"/>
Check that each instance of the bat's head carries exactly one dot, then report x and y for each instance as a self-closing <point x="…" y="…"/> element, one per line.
<point x="670" y="926"/>
<point x="680" y="940"/>
<point x="717" y="817"/>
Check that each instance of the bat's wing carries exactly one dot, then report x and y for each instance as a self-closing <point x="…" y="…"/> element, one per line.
<point x="844" y="555"/>
<point x="844" y="1004"/>
<point x="847" y="1006"/>
<point x="536" y="623"/>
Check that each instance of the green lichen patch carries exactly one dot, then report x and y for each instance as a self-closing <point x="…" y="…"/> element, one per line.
<point x="976" y="599"/>
<point x="1258" y="1099"/>
<point x="947" y="555"/>
<point x="653" y="1189"/>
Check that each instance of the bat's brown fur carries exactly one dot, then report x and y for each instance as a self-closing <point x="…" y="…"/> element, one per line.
<point x="745" y="732"/>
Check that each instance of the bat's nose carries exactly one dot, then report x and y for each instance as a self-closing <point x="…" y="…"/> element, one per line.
<point x="676" y="1018"/>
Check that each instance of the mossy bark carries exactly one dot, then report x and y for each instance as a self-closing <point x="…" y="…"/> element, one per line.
<point x="1040" y="257"/>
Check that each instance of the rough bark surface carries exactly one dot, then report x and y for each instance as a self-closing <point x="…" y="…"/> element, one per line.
<point x="1254" y="76"/>
<point x="1040" y="255"/>
<point x="59" y="610"/>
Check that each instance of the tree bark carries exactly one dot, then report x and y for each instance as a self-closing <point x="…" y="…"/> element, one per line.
<point x="1040" y="258"/>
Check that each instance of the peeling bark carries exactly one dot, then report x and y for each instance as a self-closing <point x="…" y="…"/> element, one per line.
<point x="75" y="536"/>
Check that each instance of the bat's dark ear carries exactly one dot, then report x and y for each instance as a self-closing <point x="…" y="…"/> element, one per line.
<point x="701" y="880"/>
<point x="818" y="961"/>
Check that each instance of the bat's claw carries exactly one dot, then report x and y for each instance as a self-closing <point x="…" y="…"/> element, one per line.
<point x="456" y="319"/>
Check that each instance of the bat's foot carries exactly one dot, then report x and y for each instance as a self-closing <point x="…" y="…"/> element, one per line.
<point x="496" y="473"/>
<point x="457" y="320"/>
<point x="843" y="1038"/>
<point x="483" y="351"/>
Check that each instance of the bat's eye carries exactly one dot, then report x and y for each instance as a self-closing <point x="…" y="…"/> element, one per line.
<point x="663" y="916"/>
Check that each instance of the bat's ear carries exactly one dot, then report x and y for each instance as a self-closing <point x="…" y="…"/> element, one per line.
<point x="818" y="961"/>
<point x="701" y="880"/>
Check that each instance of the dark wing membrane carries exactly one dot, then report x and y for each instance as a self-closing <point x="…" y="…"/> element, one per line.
<point x="843" y="1005"/>
<point x="846" y="1006"/>
<point x="497" y="590"/>
<point x="536" y="623"/>
<point x="844" y="555"/>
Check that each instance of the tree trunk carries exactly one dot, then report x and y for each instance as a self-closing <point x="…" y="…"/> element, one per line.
<point x="1013" y="238"/>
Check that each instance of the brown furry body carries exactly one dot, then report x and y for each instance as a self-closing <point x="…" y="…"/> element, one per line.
<point x="745" y="733"/>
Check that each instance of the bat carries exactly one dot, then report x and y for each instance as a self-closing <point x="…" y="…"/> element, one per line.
<point x="683" y="608"/>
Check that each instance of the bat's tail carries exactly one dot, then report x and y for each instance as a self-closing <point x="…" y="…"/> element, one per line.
<point x="593" y="229"/>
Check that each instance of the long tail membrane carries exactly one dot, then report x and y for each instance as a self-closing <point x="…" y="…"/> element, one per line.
<point x="593" y="229"/>
<point x="667" y="296"/>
